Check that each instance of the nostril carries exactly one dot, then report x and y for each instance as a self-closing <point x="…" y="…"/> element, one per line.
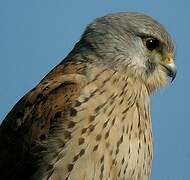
<point x="168" y="60"/>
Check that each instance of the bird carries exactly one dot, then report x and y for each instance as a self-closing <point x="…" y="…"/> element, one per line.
<point x="89" y="117"/>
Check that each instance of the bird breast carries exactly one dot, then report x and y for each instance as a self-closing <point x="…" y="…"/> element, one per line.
<point x="111" y="138"/>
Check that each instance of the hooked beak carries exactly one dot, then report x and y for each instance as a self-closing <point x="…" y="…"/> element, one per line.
<point x="169" y="66"/>
<point x="170" y="70"/>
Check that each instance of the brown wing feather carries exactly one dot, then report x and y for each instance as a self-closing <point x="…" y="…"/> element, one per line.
<point x="27" y="126"/>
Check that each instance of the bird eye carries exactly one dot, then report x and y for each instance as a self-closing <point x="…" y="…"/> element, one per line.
<point x="152" y="43"/>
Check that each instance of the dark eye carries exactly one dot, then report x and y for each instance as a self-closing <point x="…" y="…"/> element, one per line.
<point x="152" y="43"/>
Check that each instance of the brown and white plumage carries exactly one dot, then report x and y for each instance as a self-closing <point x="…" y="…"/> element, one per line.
<point x="89" y="118"/>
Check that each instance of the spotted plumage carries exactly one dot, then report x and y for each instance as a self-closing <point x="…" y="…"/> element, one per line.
<point x="89" y="118"/>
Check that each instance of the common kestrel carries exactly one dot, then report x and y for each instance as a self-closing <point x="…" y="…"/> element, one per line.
<point x="89" y="118"/>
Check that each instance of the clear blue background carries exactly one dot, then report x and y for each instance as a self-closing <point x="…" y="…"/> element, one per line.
<point x="36" y="35"/>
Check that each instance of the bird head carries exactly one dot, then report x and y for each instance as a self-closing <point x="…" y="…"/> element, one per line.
<point x="133" y="44"/>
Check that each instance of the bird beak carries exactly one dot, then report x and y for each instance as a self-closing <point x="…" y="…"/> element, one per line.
<point x="171" y="70"/>
<point x="169" y="67"/>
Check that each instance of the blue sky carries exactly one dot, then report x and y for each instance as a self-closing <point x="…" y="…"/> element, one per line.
<point x="36" y="35"/>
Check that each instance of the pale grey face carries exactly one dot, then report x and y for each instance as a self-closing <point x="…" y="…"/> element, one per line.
<point x="134" y="44"/>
